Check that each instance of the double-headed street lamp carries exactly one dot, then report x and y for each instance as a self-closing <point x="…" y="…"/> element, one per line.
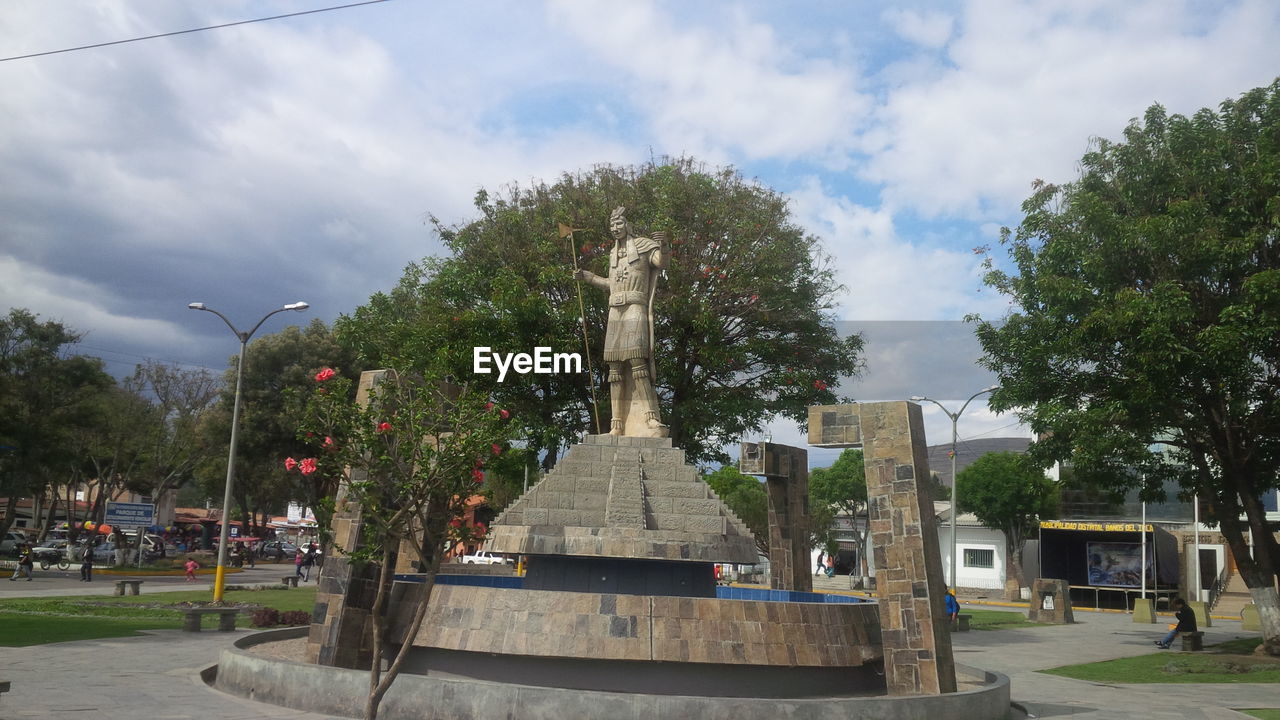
<point x="955" y="419"/>
<point x="235" y="424"/>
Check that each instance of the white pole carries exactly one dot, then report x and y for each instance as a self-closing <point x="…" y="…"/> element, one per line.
<point x="1143" y="529"/>
<point x="1196" y="579"/>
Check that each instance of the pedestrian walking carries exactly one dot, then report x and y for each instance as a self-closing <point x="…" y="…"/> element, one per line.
<point x="297" y="563"/>
<point x="1186" y="622"/>
<point x="821" y="566"/>
<point x="191" y="567"/>
<point x="953" y="608"/>
<point x="831" y="566"/>
<point x="25" y="563"/>
<point x="86" y="563"/>
<point x="309" y="560"/>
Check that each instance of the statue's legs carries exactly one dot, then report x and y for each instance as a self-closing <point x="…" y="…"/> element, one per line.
<point x="617" y="399"/>
<point x="648" y="396"/>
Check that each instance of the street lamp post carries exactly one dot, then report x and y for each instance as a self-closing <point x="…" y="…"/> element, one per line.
<point x="955" y="419"/>
<point x="235" y="425"/>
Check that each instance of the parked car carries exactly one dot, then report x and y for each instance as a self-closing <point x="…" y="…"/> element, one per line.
<point x="51" y="549"/>
<point x="278" y="550"/>
<point x="486" y="558"/>
<point x="105" y="553"/>
<point x="12" y="540"/>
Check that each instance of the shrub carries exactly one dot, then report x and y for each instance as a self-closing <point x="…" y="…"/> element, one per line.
<point x="265" y="617"/>
<point x="295" y="617"/>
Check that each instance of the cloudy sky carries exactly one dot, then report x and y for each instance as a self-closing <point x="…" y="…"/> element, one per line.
<point x="256" y="165"/>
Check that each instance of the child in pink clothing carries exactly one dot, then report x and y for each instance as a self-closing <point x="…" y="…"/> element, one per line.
<point x="191" y="569"/>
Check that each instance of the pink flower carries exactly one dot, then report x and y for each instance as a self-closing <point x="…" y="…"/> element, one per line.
<point x="307" y="466"/>
<point x="497" y="449"/>
<point x="290" y="464"/>
<point x="504" y="414"/>
<point x="478" y="475"/>
<point x="328" y="441"/>
<point x="488" y="406"/>
<point x="819" y="385"/>
<point x="455" y="523"/>
<point x="384" y="427"/>
<point x="325" y="374"/>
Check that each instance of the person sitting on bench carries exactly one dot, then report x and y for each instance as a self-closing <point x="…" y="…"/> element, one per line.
<point x="1186" y="622"/>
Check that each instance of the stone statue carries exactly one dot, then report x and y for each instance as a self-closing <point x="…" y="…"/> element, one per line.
<point x="634" y="265"/>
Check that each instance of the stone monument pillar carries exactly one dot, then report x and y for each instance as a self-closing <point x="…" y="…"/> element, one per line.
<point x="342" y="623"/>
<point x="904" y="536"/>
<point x="786" y="473"/>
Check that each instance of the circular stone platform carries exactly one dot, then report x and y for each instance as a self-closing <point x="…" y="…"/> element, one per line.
<point x="337" y="691"/>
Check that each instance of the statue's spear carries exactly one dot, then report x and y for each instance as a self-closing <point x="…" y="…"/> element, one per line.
<point x="567" y="232"/>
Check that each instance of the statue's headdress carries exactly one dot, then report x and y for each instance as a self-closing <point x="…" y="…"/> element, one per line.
<point x="619" y="213"/>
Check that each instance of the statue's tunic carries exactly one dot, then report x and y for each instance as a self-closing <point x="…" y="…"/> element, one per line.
<point x="630" y="272"/>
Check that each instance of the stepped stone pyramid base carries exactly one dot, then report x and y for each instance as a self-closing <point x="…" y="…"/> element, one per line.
<point x="624" y="497"/>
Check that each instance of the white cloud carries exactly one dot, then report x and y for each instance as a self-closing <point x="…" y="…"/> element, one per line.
<point x="889" y="277"/>
<point x="928" y="29"/>
<point x="734" y="89"/>
<point x="1031" y="82"/>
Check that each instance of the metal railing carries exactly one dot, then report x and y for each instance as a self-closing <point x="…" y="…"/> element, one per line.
<point x="1219" y="584"/>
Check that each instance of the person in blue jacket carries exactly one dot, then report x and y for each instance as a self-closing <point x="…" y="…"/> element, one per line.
<point x="953" y="607"/>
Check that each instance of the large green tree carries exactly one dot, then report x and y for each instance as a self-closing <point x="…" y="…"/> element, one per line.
<point x="45" y="396"/>
<point x="745" y="496"/>
<point x="1009" y="493"/>
<point x="1147" y="297"/>
<point x="277" y="367"/>
<point x="743" y="317"/>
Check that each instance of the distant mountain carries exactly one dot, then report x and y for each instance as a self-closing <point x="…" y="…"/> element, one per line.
<point x="969" y="450"/>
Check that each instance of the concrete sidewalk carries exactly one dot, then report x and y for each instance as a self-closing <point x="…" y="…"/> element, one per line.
<point x="156" y="676"/>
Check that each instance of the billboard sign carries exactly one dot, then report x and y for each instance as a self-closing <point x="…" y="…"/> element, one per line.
<point x="130" y="515"/>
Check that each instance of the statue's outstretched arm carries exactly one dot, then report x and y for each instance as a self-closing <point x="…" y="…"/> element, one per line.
<point x="591" y="278"/>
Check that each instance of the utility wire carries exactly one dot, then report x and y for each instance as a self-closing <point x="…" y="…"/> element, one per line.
<point x="192" y="30"/>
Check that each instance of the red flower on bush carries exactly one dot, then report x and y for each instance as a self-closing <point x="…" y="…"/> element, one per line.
<point x="384" y="426"/>
<point x="488" y="406"/>
<point x="497" y="449"/>
<point x="481" y="530"/>
<point x="290" y="464"/>
<point x="478" y="475"/>
<point x="455" y="523"/>
<point x="325" y="374"/>
<point x="504" y="414"/>
<point x="328" y="441"/>
<point x="819" y="385"/>
<point x="307" y="466"/>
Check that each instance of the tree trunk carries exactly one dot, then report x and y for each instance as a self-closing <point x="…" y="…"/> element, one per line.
<point x="1013" y="567"/>
<point x="1267" y="600"/>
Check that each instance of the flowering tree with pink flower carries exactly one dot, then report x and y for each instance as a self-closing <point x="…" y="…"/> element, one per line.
<point x="410" y="457"/>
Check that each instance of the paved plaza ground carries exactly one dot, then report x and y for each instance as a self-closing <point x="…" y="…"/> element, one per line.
<point x="155" y="677"/>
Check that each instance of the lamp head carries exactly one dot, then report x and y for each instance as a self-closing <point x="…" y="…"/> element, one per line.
<point x="916" y="398"/>
<point x="195" y="306"/>
<point x="299" y="306"/>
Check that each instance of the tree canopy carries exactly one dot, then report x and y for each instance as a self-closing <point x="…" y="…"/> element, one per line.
<point x="1009" y="493"/>
<point x="45" y="397"/>
<point x="1147" y="318"/>
<point x="743" y="318"/>
<point x="842" y="490"/>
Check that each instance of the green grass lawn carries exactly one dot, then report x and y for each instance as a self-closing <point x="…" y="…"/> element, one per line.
<point x="1230" y="662"/>
<point x="35" y="621"/>
<point x="1263" y="714"/>
<point x="996" y="619"/>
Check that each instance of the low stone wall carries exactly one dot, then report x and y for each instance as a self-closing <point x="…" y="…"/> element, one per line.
<point x="336" y="691"/>
<point x="656" y="628"/>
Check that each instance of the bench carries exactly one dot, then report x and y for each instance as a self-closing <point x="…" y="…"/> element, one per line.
<point x="1192" y="641"/>
<point x="135" y="587"/>
<point x="289" y="581"/>
<point x="191" y="618"/>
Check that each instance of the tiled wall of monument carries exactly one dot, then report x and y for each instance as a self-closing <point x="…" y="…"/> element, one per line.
<point x="625" y="497"/>
<point x="786" y="472"/>
<point x="904" y="535"/>
<point x="341" y="626"/>
<point x="636" y="627"/>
